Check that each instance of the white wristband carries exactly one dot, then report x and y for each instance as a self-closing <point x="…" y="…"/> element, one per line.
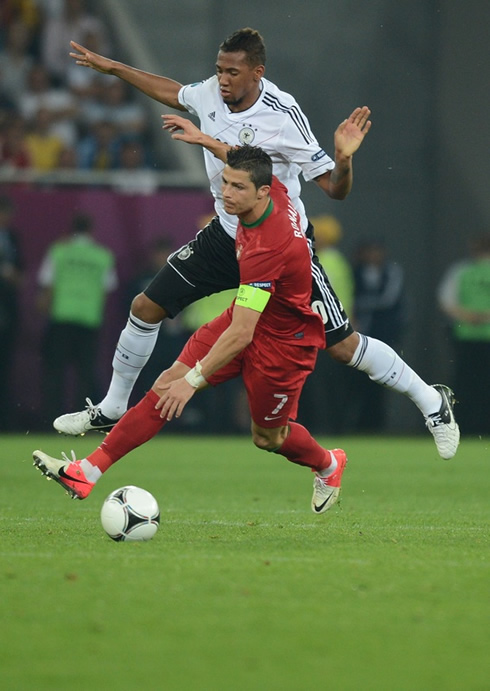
<point x="194" y="376"/>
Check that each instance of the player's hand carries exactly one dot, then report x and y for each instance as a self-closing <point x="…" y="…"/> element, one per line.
<point x="350" y="134"/>
<point x="182" y="129"/>
<point x="84" y="56"/>
<point x="174" y="399"/>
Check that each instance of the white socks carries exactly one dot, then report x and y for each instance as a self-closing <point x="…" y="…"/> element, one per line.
<point x="133" y="351"/>
<point x="329" y="470"/>
<point x="385" y="367"/>
<point x="92" y="473"/>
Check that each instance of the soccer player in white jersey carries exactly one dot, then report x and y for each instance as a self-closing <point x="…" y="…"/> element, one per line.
<point x="239" y="106"/>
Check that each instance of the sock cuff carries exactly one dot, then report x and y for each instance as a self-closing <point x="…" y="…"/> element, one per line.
<point x="141" y="325"/>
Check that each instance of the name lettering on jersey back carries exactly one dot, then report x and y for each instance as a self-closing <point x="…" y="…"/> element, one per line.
<point x="295" y="222"/>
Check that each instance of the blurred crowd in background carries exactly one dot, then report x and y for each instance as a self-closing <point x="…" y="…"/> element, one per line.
<point x="53" y="113"/>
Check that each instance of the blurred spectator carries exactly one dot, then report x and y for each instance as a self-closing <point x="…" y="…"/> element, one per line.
<point x="10" y="276"/>
<point x="44" y="147"/>
<point x="58" y="102"/>
<point x="14" y="153"/>
<point x="114" y="104"/>
<point x="134" y="175"/>
<point x="68" y="158"/>
<point x="325" y="399"/>
<point x="72" y="25"/>
<point x="74" y="278"/>
<point x="379" y="311"/>
<point x="99" y="148"/>
<point x="50" y="9"/>
<point x="26" y="11"/>
<point x="464" y="297"/>
<point x="133" y="154"/>
<point x="379" y="286"/>
<point x="15" y="61"/>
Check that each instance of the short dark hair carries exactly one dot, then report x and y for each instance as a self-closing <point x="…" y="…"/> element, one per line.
<point x="250" y="42"/>
<point x="254" y="161"/>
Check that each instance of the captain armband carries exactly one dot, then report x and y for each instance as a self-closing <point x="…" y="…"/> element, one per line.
<point x="252" y="297"/>
<point x="194" y="376"/>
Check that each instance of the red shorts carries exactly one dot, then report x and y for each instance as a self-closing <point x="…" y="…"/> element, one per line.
<point x="273" y="372"/>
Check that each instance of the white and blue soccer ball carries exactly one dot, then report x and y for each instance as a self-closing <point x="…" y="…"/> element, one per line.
<point x="130" y="514"/>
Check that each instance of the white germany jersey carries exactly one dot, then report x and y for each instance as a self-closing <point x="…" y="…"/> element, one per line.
<point x="275" y="122"/>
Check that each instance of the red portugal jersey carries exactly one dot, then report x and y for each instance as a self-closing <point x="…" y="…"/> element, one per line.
<point x="273" y="255"/>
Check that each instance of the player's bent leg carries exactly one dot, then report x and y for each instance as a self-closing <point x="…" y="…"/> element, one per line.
<point x="344" y="350"/>
<point x="295" y="443"/>
<point x="146" y="310"/>
<point x="269" y="439"/>
<point x="135" y="346"/>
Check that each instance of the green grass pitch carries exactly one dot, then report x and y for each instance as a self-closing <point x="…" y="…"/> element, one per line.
<point x="243" y="588"/>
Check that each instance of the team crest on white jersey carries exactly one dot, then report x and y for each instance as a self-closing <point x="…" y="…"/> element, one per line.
<point x="246" y="135"/>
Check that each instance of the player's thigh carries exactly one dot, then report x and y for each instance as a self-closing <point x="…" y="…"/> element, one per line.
<point x="205" y="265"/>
<point x="274" y="375"/>
<point x="201" y="342"/>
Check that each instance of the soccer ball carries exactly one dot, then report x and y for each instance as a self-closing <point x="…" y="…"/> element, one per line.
<point x="130" y="514"/>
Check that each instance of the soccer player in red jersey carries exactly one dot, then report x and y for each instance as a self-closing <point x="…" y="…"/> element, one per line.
<point x="269" y="335"/>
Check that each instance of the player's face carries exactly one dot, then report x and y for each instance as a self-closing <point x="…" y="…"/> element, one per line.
<point x="240" y="196"/>
<point x="239" y="83"/>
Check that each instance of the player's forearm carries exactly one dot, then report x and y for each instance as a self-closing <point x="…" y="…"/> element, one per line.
<point x="219" y="149"/>
<point x="341" y="178"/>
<point x="337" y="183"/>
<point x="161" y="89"/>
<point x="228" y="346"/>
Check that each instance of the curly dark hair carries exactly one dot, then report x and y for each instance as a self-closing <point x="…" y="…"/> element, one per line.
<point x="250" y="42"/>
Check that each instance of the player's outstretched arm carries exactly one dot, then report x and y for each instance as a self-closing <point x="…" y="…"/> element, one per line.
<point x="348" y="137"/>
<point x="185" y="131"/>
<point x="161" y="89"/>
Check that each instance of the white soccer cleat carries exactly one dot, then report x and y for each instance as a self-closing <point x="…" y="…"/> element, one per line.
<point x="326" y="490"/>
<point x="442" y="424"/>
<point x="90" y="419"/>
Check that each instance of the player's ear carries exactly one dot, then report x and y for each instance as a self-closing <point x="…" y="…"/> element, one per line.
<point x="263" y="191"/>
<point x="259" y="72"/>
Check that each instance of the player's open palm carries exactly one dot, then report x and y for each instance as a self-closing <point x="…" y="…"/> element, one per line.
<point x="85" y="57"/>
<point x="351" y="132"/>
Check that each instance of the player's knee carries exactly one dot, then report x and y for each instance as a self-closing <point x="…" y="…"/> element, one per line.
<point x="176" y="371"/>
<point x="261" y="442"/>
<point x="268" y="440"/>
<point x="148" y="311"/>
<point x="343" y="352"/>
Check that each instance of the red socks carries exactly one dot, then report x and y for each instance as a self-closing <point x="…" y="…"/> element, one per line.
<point x="137" y="426"/>
<point x="300" y="447"/>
